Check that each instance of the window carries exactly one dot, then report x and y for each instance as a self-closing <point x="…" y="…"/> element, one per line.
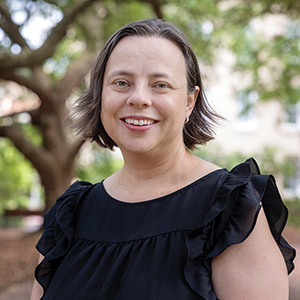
<point x="292" y="182"/>
<point x="291" y="117"/>
<point x="247" y="120"/>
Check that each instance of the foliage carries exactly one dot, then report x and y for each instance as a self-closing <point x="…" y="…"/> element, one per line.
<point x="201" y="23"/>
<point x="101" y="165"/>
<point x="268" y="163"/>
<point x="294" y="212"/>
<point x="15" y="177"/>
<point x="271" y="61"/>
<point x="267" y="160"/>
<point x="217" y="157"/>
<point x="120" y="13"/>
<point x="17" y="174"/>
<point x="264" y="37"/>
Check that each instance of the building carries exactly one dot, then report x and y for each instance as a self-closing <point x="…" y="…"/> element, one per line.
<point x="253" y="126"/>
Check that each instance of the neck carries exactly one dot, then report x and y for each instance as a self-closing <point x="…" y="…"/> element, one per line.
<point x="148" y="176"/>
<point x="152" y="166"/>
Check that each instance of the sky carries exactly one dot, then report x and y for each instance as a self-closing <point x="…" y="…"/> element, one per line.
<point x="35" y="30"/>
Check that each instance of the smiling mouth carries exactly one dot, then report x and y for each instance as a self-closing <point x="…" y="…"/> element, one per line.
<point x="145" y="122"/>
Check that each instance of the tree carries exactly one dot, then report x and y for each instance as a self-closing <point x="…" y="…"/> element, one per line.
<point x="268" y="56"/>
<point x="52" y="72"/>
<point x="56" y="69"/>
<point x="54" y="158"/>
<point x="15" y="178"/>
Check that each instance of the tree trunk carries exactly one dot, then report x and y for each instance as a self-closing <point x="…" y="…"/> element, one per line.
<point x="55" y="184"/>
<point x="54" y="159"/>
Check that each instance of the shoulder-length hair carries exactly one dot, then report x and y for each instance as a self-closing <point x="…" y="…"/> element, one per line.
<point x="87" y="108"/>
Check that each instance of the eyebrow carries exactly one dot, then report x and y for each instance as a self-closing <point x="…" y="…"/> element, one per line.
<point x="120" y="72"/>
<point x="160" y="75"/>
<point x="128" y="73"/>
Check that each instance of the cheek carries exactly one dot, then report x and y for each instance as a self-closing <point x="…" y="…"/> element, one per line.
<point x="174" y="109"/>
<point x="106" y="116"/>
<point x="109" y="112"/>
<point x="107" y="105"/>
<point x="111" y="102"/>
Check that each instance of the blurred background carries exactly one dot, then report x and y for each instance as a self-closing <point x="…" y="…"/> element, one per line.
<point x="248" y="52"/>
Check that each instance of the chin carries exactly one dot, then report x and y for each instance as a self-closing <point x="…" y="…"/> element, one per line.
<point x="137" y="148"/>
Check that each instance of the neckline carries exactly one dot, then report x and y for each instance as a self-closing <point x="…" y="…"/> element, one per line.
<point x="167" y="196"/>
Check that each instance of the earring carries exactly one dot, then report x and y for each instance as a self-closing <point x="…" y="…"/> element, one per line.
<point x="187" y="119"/>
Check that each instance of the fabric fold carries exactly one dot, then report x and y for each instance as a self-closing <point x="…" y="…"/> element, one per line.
<point x="58" y="232"/>
<point x="231" y="220"/>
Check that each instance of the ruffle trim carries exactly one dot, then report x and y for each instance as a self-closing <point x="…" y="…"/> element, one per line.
<point x="230" y="221"/>
<point x="58" y="232"/>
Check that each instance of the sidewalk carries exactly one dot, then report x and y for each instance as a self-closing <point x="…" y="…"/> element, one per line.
<point x="17" y="291"/>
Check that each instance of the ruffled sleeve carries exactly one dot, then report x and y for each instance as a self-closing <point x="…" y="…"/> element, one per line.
<point x="58" y="232"/>
<point x="231" y="219"/>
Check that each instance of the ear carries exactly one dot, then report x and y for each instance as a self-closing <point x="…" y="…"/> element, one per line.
<point x="191" y="100"/>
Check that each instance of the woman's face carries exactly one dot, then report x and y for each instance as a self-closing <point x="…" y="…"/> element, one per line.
<point x="145" y="98"/>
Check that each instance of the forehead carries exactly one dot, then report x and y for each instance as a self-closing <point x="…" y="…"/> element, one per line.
<point x="155" y="52"/>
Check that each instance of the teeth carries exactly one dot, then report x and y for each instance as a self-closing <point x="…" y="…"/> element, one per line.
<point x="139" y="122"/>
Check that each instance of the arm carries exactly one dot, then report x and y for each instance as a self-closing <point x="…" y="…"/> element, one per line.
<point x="37" y="290"/>
<point x="252" y="270"/>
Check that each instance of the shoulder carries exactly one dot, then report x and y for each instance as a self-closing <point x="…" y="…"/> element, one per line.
<point x="75" y="189"/>
<point x="254" y="261"/>
<point x="239" y="245"/>
<point x="73" y="192"/>
<point x="254" y="268"/>
<point x="58" y="231"/>
<point x="66" y="202"/>
<point x="201" y="168"/>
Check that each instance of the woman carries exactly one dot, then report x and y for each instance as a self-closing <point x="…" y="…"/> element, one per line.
<point x="168" y="225"/>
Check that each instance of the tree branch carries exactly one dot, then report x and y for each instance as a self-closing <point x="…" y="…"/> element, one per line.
<point x="32" y="112"/>
<point x="11" y="28"/>
<point x="34" y="82"/>
<point x="37" y="57"/>
<point x="59" y="31"/>
<point x="74" y="74"/>
<point x="36" y="155"/>
<point x="75" y="147"/>
<point x="156" y="5"/>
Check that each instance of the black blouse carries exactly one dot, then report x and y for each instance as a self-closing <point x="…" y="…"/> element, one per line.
<point x="97" y="247"/>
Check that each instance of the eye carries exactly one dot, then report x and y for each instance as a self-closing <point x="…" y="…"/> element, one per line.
<point x="120" y="83"/>
<point x="161" y="85"/>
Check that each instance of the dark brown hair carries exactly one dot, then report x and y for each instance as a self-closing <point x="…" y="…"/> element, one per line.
<point x="87" y="108"/>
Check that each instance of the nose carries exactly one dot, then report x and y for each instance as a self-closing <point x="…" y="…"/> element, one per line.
<point x="139" y="97"/>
